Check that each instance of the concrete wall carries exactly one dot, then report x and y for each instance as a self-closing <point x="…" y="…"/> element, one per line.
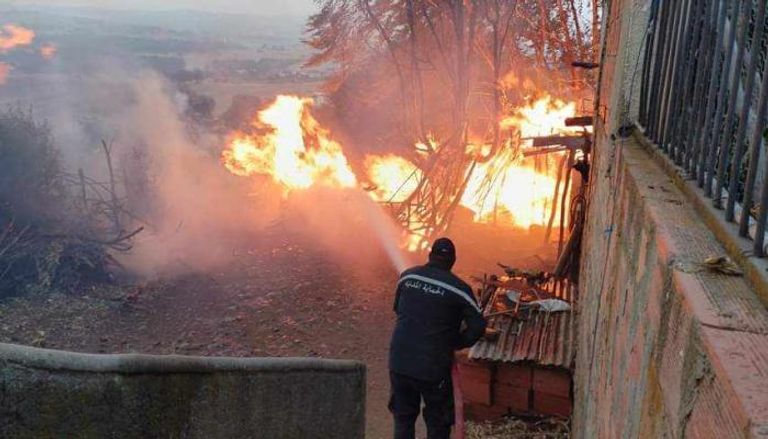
<point x="46" y="393"/>
<point x="665" y="349"/>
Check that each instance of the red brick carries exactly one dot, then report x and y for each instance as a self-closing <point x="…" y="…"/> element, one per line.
<point x="479" y="371"/>
<point x="551" y="405"/>
<point x="517" y="399"/>
<point x="476" y="382"/>
<point x="514" y="375"/>
<point x="552" y="381"/>
<point x="481" y="412"/>
<point x="476" y="391"/>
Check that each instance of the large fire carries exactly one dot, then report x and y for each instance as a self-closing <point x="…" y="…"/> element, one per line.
<point x="543" y="117"/>
<point x="513" y="186"/>
<point x="296" y="152"/>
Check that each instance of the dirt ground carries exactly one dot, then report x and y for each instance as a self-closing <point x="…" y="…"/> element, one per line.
<point x="280" y="296"/>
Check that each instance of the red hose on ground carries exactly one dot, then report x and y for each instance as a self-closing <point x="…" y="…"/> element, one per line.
<point x="458" y="402"/>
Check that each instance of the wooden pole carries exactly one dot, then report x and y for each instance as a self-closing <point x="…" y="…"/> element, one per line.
<point x="562" y="202"/>
<point x="553" y="212"/>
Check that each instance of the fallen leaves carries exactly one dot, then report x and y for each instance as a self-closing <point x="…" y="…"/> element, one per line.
<point x="722" y="264"/>
<point x="517" y="428"/>
<point x="713" y="264"/>
<point x="39" y="339"/>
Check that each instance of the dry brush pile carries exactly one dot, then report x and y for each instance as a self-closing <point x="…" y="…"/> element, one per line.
<point x="57" y="229"/>
<point x="517" y="428"/>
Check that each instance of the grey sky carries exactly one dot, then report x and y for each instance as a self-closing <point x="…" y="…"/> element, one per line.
<point x="265" y="7"/>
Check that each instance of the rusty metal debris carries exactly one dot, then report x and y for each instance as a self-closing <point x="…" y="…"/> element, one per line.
<point x="521" y="330"/>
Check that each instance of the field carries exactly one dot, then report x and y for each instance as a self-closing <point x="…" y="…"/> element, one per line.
<point x="223" y="92"/>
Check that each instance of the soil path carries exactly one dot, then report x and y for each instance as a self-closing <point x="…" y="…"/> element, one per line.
<point x="280" y="296"/>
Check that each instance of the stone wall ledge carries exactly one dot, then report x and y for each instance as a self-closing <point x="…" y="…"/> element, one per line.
<point x="50" y="359"/>
<point x="47" y="393"/>
<point x="737" y="247"/>
<point x="727" y="379"/>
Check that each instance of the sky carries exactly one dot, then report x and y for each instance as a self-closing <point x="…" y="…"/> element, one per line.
<point x="258" y="7"/>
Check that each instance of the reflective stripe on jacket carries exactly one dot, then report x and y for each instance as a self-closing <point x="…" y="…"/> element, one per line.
<point x="431" y="303"/>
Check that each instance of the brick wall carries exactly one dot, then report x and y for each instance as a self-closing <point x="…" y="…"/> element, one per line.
<point x="492" y="390"/>
<point x="664" y="350"/>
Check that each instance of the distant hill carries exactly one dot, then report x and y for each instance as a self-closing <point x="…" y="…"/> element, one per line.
<point x="274" y="29"/>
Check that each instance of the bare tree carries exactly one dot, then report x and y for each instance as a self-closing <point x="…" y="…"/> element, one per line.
<point x="444" y="63"/>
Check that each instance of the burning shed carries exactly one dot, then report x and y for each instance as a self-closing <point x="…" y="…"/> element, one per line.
<point x="523" y="366"/>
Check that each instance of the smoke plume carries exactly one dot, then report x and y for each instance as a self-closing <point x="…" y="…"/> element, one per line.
<point x="201" y="215"/>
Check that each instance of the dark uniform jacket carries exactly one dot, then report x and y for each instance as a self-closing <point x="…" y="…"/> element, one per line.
<point x="431" y="303"/>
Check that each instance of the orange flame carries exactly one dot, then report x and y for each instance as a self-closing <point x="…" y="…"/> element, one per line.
<point x="506" y="182"/>
<point x="12" y="36"/>
<point x="543" y="117"/>
<point x="296" y="152"/>
<point x="394" y="177"/>
<point x="513" y="184"/>
<point x="48" y="51"/>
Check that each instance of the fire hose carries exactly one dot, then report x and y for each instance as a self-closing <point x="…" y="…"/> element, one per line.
<point x="458" y="402"/>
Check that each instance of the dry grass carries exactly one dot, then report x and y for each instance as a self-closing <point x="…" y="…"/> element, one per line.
<point x="517" y="428"/>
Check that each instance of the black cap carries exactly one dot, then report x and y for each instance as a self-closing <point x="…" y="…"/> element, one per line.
<point x="443" y="248"/>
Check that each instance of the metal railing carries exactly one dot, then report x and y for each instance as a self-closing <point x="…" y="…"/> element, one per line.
<point x="703" y="99"/>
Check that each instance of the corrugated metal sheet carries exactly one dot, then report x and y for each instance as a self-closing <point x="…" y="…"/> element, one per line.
<point x="547" y="339"/>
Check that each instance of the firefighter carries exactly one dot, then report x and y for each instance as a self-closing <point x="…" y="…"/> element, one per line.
<point x="437" y="314"/>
